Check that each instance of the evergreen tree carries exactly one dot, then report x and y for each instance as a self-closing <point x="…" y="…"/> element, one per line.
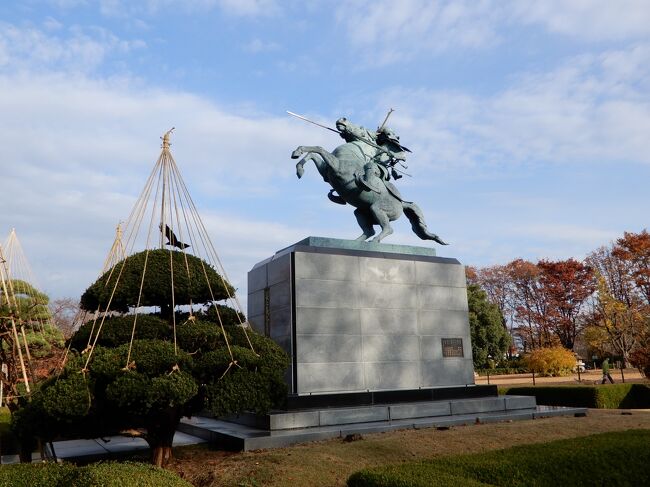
<point x="27" y="306"/>
<point x="489" y="336"/>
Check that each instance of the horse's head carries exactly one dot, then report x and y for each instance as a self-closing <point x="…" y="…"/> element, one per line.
<point x="342" y="125"/>
<point x="349" y="131"/>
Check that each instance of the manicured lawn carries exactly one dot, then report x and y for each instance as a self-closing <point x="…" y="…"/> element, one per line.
<point x="617" y="458"/>
<point x="330" y="463"/>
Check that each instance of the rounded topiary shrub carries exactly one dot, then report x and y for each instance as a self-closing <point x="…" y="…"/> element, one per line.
<point x="195" y="281"/>
<point x="551" y="361"/>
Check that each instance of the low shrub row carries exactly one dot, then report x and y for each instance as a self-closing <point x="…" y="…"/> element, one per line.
<point x="619" y="458"/>
<point x="550" y="362"/>
<point x="502" y="371"/>
<point x="607" y="396"/>
<point x="105" y="474"/>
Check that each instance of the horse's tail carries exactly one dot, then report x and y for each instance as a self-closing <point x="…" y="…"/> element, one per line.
<point x="415" y="216"/>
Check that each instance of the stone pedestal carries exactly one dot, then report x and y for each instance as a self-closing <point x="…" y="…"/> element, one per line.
<point x="356" y="316"/>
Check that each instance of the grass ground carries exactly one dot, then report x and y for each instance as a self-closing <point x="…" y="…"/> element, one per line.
<point x="616" y="458"/>
<point x="330" y="463"/>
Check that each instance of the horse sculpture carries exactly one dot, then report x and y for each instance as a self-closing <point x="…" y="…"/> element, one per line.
<point x="343" y="169"/>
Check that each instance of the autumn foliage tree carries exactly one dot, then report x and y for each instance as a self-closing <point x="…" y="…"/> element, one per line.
<point x="541" y="303"/>
<point x="528" y="305"/>
<point x="565" y="286"/>
<point x="633" y="250"/>
<point x="617" y="318"/>
<point x="603" y="301"/>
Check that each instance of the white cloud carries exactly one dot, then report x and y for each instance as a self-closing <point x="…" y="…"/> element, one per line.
<point x="256" y="46"/>
<point x="576" y="233"/>
<point x="113" y="8"/>
<point x="590" y="20"/>
<point x="52" y="24"/>
<point x="242" y="241"/>
<point x="79" y="49"/>
<point x="78" y="150"/>
<point x="67" y="4"/>
<point x="591" y="108"/>
<point x="390" y="31"/>
<point x="252" y="8"/>
<point x="240" y="8"/>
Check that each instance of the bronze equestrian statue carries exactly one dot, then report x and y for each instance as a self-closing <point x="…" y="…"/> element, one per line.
<point x="359" y="172"/>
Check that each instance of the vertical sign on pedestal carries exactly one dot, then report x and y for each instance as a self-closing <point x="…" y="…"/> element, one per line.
<point x="267" y="312"/>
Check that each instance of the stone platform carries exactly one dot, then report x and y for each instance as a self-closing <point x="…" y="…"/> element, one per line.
<point x="284" y="428"/>
<point x="379" y="339"/>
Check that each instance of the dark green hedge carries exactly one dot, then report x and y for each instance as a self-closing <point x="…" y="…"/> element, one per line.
<point x="606" y="396"/>
<point x="117" y="331"/>
<point x="105" y="474"/>
<point x="619" y="458"/>
<point x="8" y="442"/>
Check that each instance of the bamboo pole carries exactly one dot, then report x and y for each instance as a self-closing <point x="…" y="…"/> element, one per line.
<point x="20" y="355"/>
<point x="4" y="272"/>
<point x="29" y="355"/>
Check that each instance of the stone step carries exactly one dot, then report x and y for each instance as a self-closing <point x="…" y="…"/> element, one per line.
<point x="282" y="420"/>
<point x="233" y="436"/>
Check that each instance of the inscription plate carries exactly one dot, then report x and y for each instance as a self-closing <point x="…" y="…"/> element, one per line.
<point x="452" y="347"/>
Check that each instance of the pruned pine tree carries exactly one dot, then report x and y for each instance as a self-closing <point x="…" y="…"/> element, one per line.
<point x="32" y="351"/>
<point x="166" y="337"/>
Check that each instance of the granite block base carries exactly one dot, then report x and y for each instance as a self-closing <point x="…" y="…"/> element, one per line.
<point x="364" y="317"/>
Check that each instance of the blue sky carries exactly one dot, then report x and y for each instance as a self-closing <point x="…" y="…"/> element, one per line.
<point x="529" y="121"/>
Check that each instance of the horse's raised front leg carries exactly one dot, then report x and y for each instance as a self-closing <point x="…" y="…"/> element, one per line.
<point x="300" y="166"/>
<point x="318" y="162"/>
<point x="328" y="157"/>
<point x="382" y="219"/>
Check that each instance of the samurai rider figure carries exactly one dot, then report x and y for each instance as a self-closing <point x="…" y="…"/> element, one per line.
<point x="383" y="164"/>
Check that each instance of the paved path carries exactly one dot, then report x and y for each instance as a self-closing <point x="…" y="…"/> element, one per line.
<point x="588" y="377"/>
